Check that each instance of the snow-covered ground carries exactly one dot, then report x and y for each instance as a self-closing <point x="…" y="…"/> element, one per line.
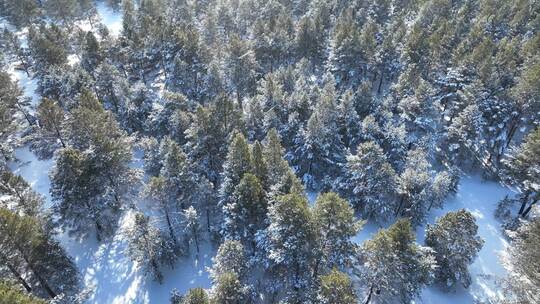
<point x="112" y="19"/>
<point x="115" y="279"/>
<point x="480" y="198"/>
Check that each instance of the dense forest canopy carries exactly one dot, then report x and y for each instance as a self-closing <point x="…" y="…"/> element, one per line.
<point x="240" y="109"/>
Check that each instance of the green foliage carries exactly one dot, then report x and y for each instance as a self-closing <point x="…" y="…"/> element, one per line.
<point x="455" y="244"/>
<point x="395" y="265"/>
<point x="336" y="288"/>
<point x="11" y="295"/>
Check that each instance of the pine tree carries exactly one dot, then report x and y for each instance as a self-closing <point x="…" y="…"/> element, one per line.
<point x="462" y="136"/>
<point x="229" y="290"/>
<point x="289" y="242"/>
<point x="61" y="10"/>
<point x="10" y="294"/>
<point x="394" y="267"/>
<point x="147" y="246"/>
<point x="414" y="186"/>
<point x="14" y="47"/>
<point x="51" y="133"/>
<point x="177" y="171"/>
<point x="158" y="190"/>
<point x="321" y="152"/>
<point x="72" y="192"/>
<point x="230" y="258"/>
<point x="347" y="60"/>
<point x="237" y="163"/>
<point x="522" y="263"/>
<point x="34" y="258"/>
<point x="192" y="226"/>
<point x="455" y="244"/>
<point x="335" y="288"/>
<point x="210" y="133"/>
<point x="444" y="184"/>
<point x="92" y="178"/>
<point x="10" y="94"/>
<point x="274" y="157"/>
<point x="369" y="182"/>
<point x="22" y="199"/>
<point x="309" y="40"/>
<point x="245" y="214"/>
<point x="241" y="68"/>
<point x="259" y="166"/>
<point x="47" y="47"/>
<point x="522" y="170"/>
<point x="20" y="13"/>
<point x="194" y="296"/>
<point x="112" y="87"/>
<point x="349" y="121"/>
<point x="335" y="225"/>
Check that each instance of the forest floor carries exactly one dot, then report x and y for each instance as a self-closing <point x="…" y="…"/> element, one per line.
<point x="114" y="278"/>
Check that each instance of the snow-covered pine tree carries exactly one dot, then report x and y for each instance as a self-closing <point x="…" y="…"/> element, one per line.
<point x="274" y="156"/>
<point x="228" y="289"/>
<point x="335" y="225"/>
<point x="209" y="135"/>
<point x="10" y="94"/>
<point x="193" y="296"/>
<point x="192" y="227"/>
<point x="321" y="153"/>
<point x="91" y="178"/>
<point x="22" y="199"/>
<point x="289" y="243"/>
<point x="259" y="165"/>
<point x="51" y="132"/>
<point x="237" y="163"/>
<point x="336" y="287"/>
<point x="245" y="212"/>
<point x="230" y="258"/>
<point x="455" y="243"/>
<point x="241" y="68"/>
<point x="12" y="294"/>
<point x="393" y="267"/>
<point x="346" y="59"/>
<point x="522" y="169"/>
<point x="33" y="258"/>
<point x="414" y="186"/>
<point x="349" y="121"/>
<point x="522" y="261"/>
<point x="369" y="182"/>
<point x="147" y="246"/>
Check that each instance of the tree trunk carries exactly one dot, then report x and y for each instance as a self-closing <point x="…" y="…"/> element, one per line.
<point x="40" y="279"/>
<point x="526" y="212"/>
<point x="401" y="201"/>
<point x="16" y="274"/>
<point x="196" y="239"/>
<point x="380" y="82"/>
<point x="208" y="219"/>
<point x="523" y="204"/>
<point x="369" y="295"/>
<point x="169" y="225"/>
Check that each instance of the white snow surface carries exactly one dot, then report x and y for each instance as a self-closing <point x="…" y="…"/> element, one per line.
<point x="111" y="18"/>
<point x="115" y="279"/>
<point x="480" y="197"/>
